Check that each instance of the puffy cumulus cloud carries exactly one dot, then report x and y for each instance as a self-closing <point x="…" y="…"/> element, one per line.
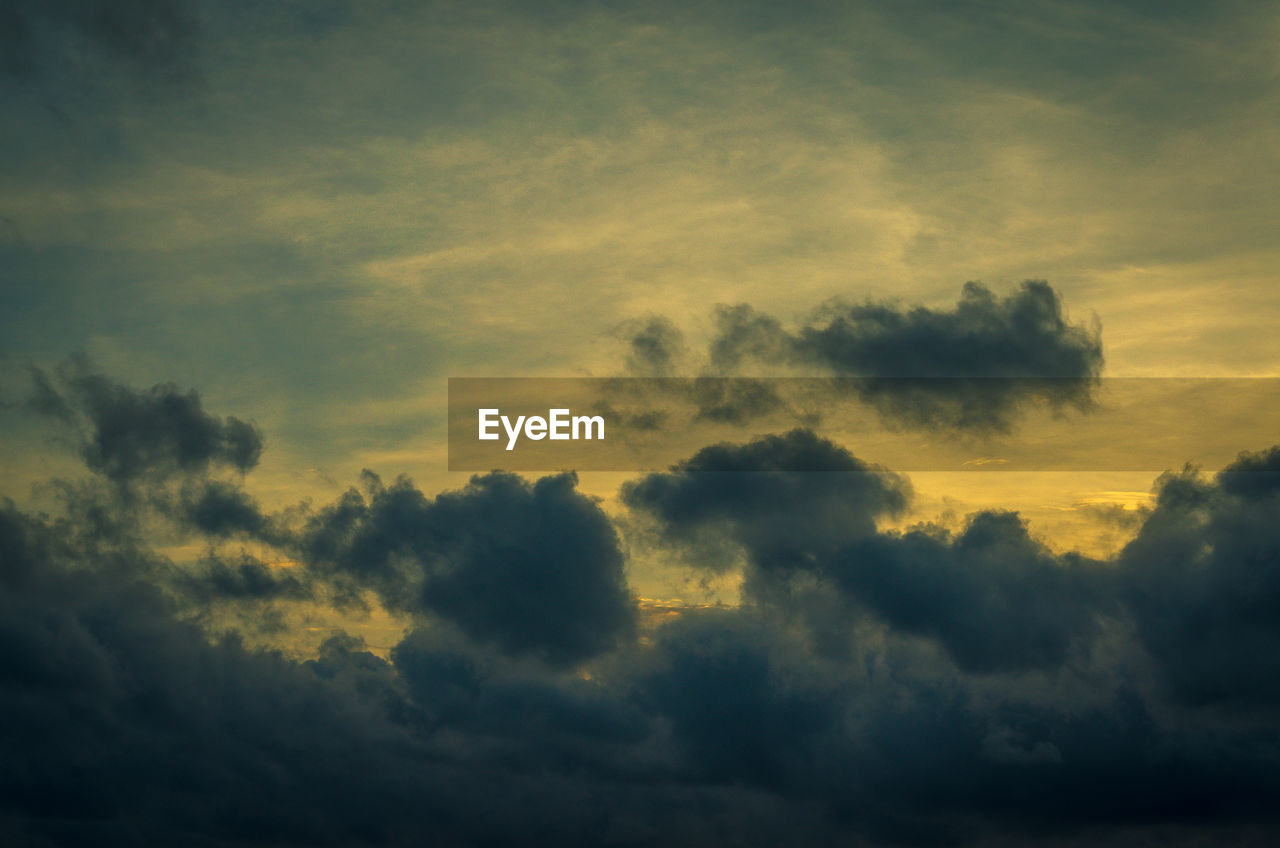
<point x="804" y="509"/>
<point x="892" y="749"/>
<point x="992" y="596"/>
<point x="781" y="497"/>
<point x="129" y="434"/>
<point x="969" y="368"/>
<point x="533" y="568"/>
<point x="1203" y="582"/>
<point x="1023" y="334"/>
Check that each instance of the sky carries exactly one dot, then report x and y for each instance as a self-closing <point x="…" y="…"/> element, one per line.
<point x="1012" y="578"/>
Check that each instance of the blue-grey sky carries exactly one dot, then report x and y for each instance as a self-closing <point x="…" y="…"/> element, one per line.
<point x="316" y="212"/>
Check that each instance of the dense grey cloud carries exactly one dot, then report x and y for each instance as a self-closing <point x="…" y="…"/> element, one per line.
<point x="803" y="507"/>
<point x="992" y="596"/>
<point x="781" y="712"/>
<point x="127" y="724"/>
<point x="781" y="497"/>
<point x="241" y="579"/>
<point x="1203" y="581"/>
<point x="220" y="509"/>
<point x="526" y="706"/>
<point x="535" y="569"/>
<point x="129" y="434"/>
<point x="1021" y="335"/>
<point x="969" y="368"/>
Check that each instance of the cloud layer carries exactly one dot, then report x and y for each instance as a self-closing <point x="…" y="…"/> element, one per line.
<point x="910" y="686"/>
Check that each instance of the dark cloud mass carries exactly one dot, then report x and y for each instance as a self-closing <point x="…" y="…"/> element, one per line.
<point x="802" y="507"/>
<point x="216" y="508"/>
<point x="913" y="687"/>
<point x="782" y="497"/>
<point x="969" y="368"/>
<point x="533" y="568"/>
<point x="993" y="597"/>
<point x="1203" y="581"/>
<point x="129" y="434"/>
<point x="1021" y="335"/>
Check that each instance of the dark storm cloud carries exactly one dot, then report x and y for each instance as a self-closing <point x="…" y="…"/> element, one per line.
<point x="535" y="569"/>
<point x="127" y="725"/>
<point x="241" y="579"/>
<point x="781" y="497"/>
<point x="803" y="507"/>
<point x="524" y="707"/>
<point x="969" y="368"/>
<point x="893" y="751"/>
<point x="1203" y="582"/>
<point x="780" y="714"/>
<point x="130" y="434"/>
<point x="1021" y="335"/>
<point x="134" y="727"/>
<point x="992" y="596"/>
<point x="217" y="508"/>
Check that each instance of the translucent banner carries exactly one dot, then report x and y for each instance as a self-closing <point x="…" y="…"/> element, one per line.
<point x="908" y="424"/>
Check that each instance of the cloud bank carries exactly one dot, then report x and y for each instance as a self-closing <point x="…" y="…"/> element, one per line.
<point x="917" y="686"/>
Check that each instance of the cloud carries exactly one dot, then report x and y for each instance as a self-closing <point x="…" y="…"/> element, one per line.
<point x="780" y="497"/>
<point x="1203" y="582"/>
<point x="657" y="351"/>
<point x="804" y="509"/>
<point x="220" y="509"/>
<point x="1021" y="335"/>
<point x="990" y="689"/>
<point x="129" y="434"/>
<point x="656" y="348"/>
<point x="242" y="579"/>
<point x="534" y="569"/>
<point x="993" y="597"/>
<point x="970" y="368"/>
<point x="779" y="715"/>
